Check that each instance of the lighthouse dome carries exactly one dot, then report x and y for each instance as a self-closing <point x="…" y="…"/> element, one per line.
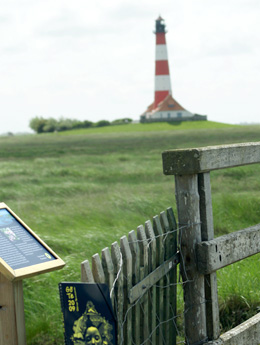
<point x="159" y="25"/>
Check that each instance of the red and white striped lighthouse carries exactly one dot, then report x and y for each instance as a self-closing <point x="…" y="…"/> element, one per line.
<point x="162" y="73"/>
<point x="164" y="106"/>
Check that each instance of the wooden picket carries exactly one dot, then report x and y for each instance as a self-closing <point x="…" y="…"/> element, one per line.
<point x="136" y="278"/>
<point x="159" y="292"/>
<point x="152" y="266"/>
<point x="141" y="275"/>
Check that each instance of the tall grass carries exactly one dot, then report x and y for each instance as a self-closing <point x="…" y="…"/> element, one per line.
<point x="83" y="191"/>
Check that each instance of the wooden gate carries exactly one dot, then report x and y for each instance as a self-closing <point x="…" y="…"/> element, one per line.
<point x="202" y="254"/>
<point x="141" y="275"/>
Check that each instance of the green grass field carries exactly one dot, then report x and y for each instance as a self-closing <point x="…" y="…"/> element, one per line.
<point x="82" y="190"/>
<point x="159" y="126"/>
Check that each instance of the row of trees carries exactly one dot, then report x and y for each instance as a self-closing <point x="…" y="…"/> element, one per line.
<point x="42" y="125"/>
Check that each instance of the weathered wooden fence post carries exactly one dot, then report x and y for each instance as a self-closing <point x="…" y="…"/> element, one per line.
<point x="207" y="233"/>
<point x="187" y="197"/>
<point x="193" y="196"/>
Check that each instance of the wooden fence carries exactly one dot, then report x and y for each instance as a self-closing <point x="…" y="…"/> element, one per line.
<point x="141" y="273"/>
<point x="202" y="254"/>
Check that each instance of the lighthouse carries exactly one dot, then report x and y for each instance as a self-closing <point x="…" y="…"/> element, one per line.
<point x="162" y="75"/>
<point x="164" y="106"/>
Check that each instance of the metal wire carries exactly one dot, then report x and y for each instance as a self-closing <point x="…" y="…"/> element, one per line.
<point x="180" y="331"/>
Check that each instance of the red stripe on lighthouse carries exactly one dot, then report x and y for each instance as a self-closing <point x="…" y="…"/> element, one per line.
<point x="160" y="38"/>
<point x="161" y="67"/>
<point x="159" y="96"/>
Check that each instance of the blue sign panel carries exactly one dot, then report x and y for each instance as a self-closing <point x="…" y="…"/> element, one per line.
<point x="18" y="247"/>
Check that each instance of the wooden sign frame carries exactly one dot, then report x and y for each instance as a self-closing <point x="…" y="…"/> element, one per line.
<point x="34" y="269"/>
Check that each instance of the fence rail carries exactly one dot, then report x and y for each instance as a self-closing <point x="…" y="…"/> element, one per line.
<point x="246" y="333"/>
<point x="198" y="160"/>
<point x="228" y="249"/>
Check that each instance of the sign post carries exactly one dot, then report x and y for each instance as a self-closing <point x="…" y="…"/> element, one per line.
<point x="22" y="254"/>
<point x="12" y="322"/>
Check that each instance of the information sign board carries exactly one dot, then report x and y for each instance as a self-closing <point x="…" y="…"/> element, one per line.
<point x="22" y="253"/>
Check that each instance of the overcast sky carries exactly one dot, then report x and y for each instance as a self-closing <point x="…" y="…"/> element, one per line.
<point x="95" y="60"/>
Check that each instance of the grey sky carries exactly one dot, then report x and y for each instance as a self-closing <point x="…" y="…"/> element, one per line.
<point x="95" y="59"/>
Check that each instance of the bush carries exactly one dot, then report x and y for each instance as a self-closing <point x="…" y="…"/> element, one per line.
<point x="41" y="125"/>
<point x="37" y="124"/>
<point x="50" y="125"/>
<point x="87" y="124"/>
<point x="102" y="123"/>
<point x="123" y="121"/>
<point x="64" y="124"/>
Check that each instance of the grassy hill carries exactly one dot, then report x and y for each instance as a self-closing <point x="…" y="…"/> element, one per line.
<point x="82" y="190"/>
<point x="149" y="127"/>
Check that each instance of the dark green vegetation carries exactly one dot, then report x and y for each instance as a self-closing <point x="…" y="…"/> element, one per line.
<point x="50" y="125"/>
<point x="82" y="192"/>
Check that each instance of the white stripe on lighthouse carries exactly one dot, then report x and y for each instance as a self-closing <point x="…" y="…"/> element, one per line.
<point x="161" y="52"/>
<point x="162" y="83"/>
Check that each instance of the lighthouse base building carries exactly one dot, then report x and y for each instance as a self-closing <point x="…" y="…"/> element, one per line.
<point x="169" y="110"/>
